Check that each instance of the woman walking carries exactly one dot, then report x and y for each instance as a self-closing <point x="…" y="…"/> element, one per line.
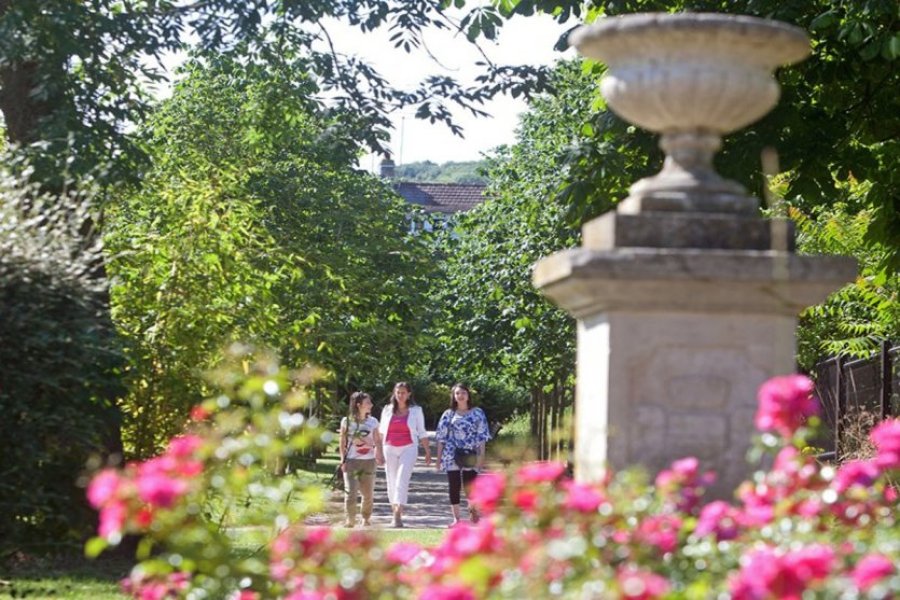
<point x="402" y="427"/>
<point x="361" y="447"/>
<point x="461" y="436"/>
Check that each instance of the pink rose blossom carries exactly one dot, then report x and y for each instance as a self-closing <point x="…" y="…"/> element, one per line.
<point x="466" y="540"/>
<point x="785" y="403"/>
<point x="112" y="518"/>
<point x="768" y="574"/>
<point x="160" y="490"/>
<point x="582" y="498"/>
<point x="103" y="487"/>
<point x="871" y="569"/>
<point x="637" y="584"/>
<point x="487" y="490"/>
<point x="184" y="446"/>
<point x="526" y="500"/>
<point x="660" y="531"/>
<point x="886" y="438"/>
<point x="855" y="473"/>
<point x="538" y="472"/>
<point x="719" y="518"/>
<point x="402" y="553"/>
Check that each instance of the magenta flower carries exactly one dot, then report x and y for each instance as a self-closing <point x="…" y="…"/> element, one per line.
<point x="871" y="569"/>
<point x="660" y="531"/>
<point x="785" y="403"/>
<point x="637" y="584"/>
<point x="855" y="473"/>
<point x="447" y="592"/>
<point x="160" y="490"/>
<point x="402" y="553"/>
<point x="112" y="518"/>
<point x="767" y="574"/>
<point x="582" y="498"/>
<point x="184" y="446"/>
<point x="466" y="540"/>
<point x="103" y="487"/>
<point x="719" y="518"/>
<point x="886" y="438"/>
<point x="487" y="490"/>
<point x="538" y="472"/>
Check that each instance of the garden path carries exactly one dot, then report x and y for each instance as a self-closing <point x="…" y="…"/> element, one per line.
<point x="428" y="508"/>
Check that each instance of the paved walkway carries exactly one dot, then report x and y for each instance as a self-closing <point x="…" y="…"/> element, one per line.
<point x="428" y="508"/>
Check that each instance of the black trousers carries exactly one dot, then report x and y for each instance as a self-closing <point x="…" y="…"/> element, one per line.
<point x="456" y="479"/>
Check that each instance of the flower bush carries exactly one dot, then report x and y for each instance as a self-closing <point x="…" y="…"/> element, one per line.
<point x="796" y="530"/>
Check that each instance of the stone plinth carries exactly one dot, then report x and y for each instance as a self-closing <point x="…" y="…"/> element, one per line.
<point x="673" y="344"/>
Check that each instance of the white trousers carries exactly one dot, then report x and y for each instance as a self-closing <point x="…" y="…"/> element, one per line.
<point x="398" y="467"/>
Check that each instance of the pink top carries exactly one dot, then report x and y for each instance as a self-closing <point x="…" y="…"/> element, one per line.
<point x="398" y="432"/>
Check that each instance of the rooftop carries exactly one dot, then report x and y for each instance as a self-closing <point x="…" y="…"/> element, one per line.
<point x="445" y="198"/>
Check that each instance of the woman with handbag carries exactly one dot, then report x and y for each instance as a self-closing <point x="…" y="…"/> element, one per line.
<point x="461" y="436"/>
<point x="361" y="448"/>
<point x="402" y="427"/>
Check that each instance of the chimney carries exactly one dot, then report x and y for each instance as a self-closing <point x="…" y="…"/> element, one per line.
<point x="387" y="168"/>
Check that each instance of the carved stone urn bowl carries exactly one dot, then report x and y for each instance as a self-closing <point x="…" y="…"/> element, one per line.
<point x="692" y="77"/>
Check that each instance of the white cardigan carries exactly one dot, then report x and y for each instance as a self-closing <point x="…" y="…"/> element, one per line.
<point x="415" y="419"/>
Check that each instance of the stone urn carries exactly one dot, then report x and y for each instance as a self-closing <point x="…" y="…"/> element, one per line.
<point x="691" y="77"/>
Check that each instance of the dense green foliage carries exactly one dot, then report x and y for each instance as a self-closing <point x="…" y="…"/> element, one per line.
<point x="854" y="320"/>
<point x="493" y="322"/>
<point x="72" y="74"/>
<point x="56" y="348"/>
<point x="253" y="225"/>
<point x="838" y="118"/>
<point x="448" y="172"/>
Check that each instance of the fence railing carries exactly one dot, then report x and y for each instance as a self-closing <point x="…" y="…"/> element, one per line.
<point x="856" y="394"/>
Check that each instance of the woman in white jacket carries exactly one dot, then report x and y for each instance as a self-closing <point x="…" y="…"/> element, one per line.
<point x="402" y="427"/>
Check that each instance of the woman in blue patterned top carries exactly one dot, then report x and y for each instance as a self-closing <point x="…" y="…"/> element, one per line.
<point x="461" y="435"/>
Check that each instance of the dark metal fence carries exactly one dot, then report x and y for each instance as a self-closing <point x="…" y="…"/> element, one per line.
<point x="855" y="394"/>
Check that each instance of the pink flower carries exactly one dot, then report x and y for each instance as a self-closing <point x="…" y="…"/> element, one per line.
<point x="487" y="490"/>
<point x="526" y="500"/>
<point x="184" y="446"/>
<point x="637" y="584"/>
<point x="447" y="592"/>
<point x="719" y="518"/>
<point x="871" y="569"/>
<point x="660" y="531"/>
<point x="466" y="540"/>
<point x="886" y="438"/>
<point x="160" y="490"/>
<point x="785" y="403"/>
<point x="767" y="574"/>
<point x="538" y="472"/>
<point x="582" y="498"/>
<point x="103" y="487"/>
<point x="855" y="473"/>
<point x="112" y="518"/>
<point x="403" y="552"/>
<point x="683" y="484"/>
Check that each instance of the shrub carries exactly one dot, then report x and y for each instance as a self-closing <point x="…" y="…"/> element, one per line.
<point x="58" y="358"/>
<point x="796" y="530"/>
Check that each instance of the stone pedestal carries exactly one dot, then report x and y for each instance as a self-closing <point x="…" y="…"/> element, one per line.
<point x="673" y="342"/>
<point x="686" y="300"/>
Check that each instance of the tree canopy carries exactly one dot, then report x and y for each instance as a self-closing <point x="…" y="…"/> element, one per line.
<point x="252" y="224"/>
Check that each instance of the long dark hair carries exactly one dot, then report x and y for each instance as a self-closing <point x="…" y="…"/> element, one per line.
<point x="459" y="386"/>
<point x="402" y="384"/>
<point x="356" y="398"/>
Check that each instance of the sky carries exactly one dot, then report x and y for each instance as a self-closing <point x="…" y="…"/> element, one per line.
<point x="521" y="41"/>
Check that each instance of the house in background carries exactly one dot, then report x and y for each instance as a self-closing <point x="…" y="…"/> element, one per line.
<point x="440" y="201"/>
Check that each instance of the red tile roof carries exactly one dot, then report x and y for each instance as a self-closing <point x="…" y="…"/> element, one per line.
<point x="442" y="197"/>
